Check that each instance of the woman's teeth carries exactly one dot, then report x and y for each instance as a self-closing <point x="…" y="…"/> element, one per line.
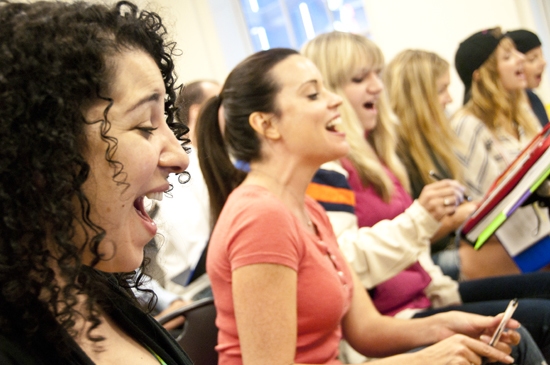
<point x="331" y="126"/>
<point x="155" y="196"/>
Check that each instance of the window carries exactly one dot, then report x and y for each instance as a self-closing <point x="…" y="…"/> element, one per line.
<point x="291" y="23"/>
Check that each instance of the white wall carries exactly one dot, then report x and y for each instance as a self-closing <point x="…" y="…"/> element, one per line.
<point x="190" y="24"/>
<point x="439" y="26"/>
<point x="213" y="37"/>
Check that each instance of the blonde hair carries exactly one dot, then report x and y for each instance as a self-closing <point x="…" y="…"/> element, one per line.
<point x="493" y="104"/>
<point x="411" y="78"/>
<point x="338" y="55"/>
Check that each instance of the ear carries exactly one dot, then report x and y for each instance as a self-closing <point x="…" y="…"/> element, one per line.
<point x="475" y="75"/>
<point x="263" y="124"/>
<point x="194" y="113"/>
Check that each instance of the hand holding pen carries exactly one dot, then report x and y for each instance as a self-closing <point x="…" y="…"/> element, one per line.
<point x="441" y="198"/>
<point x="437" y="177"/>
<point x="505" y="318"/>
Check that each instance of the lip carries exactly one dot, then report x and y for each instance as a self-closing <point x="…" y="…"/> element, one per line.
<point x="520" y="72"/>
<point x="139" y="208"/>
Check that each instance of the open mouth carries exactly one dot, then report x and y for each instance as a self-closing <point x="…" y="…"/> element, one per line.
<point x="369" y="105"/>
<point x="332" y="126"/>
<point x="140" y="208"/>
<point x="139" y="204"/>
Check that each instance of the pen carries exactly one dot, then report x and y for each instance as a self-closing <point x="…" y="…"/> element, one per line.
<point x="437" y="177"/>
<point x="507" y="315"/>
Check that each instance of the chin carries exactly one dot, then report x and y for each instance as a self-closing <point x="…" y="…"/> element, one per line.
<point x="369" y="125"/>
<point x="338" y="153"/>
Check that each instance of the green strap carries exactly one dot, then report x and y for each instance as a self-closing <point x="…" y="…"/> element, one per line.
<point x="160" y="360"/>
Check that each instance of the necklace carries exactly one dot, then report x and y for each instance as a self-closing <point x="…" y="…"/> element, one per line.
<point x="300" y="203"/>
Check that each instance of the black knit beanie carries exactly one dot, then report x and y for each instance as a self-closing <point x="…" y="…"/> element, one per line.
<point x="525" y="40"/>
<point x="472" y="53"/>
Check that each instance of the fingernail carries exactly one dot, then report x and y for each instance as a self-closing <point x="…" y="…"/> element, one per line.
<point x="509" y="359"/>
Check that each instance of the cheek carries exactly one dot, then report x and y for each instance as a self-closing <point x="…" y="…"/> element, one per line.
<point x="442" y="100"/>
<point x="351" y="92"/>
<point x="140" y="167"/>
<point x="533" y="70"/>
<point x="505" y="68"/>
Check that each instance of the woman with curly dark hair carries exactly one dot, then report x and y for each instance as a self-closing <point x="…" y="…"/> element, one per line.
<point x="87" y="131"/>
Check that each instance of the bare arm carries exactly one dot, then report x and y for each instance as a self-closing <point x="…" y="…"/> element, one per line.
<point x="264" y="296"/>
<point x="454" y="335"/>
<point x="265" y="308"/>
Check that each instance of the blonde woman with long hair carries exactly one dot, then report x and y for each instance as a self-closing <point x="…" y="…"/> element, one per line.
<point x="373" y="172"/>
<point x="496" y="122"/>
<point x="418" y="86"/>
<point x="351" y="66"/>
<point x="494" y="125"/>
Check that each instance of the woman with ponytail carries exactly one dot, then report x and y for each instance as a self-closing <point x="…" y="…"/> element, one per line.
<point x="283" y="291"/>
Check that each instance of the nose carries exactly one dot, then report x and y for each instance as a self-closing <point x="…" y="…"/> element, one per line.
<point x="173" y="158"/>
<point x="448" y="98"/>
<point x="375" y="84"/>
<point x="335" y="100"/>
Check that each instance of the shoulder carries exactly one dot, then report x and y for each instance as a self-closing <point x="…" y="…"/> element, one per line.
<point x="254" y="202"/>
<point x="13" y="352"/>
<point x="330" y="187"/>
<point x="462" y="122"/>
<point x="532" y="96"/>
<point x="335" y="167"/>
<point x="254" y="213"/>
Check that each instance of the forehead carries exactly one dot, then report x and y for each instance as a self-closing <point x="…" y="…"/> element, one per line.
<point x="135" y="71"/>
<point x="135" y="81"/>
<point x="505" y="45"/>
<point x="363" y="55"/>
<point x="294" y="71"/>
<point x="537" y="51"/>
<point x="444" y="77"/>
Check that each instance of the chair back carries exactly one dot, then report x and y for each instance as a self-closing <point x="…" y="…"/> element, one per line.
<point x="200" y="334"/>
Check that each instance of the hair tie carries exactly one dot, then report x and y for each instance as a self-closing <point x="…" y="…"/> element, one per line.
<point x="218" y="100"/>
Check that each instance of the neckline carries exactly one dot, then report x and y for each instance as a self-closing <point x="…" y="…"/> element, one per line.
<point x="314" y="235"/>
<point x="303" y="216"/>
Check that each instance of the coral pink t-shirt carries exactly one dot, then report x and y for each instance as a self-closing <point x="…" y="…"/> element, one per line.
<point x="406" y="289"/>
<point x="255" y="227"/>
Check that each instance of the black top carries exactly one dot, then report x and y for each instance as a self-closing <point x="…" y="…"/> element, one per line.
<point x="120" y="307"/>
<point x="538" y="107"/>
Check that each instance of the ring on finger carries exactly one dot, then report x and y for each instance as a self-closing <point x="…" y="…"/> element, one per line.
<point x="446" y="202"/>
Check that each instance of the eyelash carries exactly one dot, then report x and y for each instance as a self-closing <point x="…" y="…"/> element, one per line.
<point x="313" y="96"/>
<point x="148" y="130"/>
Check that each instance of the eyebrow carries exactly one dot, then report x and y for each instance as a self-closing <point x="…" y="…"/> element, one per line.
<point x="314" y="82"/>
<point x="154" y="97"/>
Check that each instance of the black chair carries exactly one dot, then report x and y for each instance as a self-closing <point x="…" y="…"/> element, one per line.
<point x="199" y="335"/>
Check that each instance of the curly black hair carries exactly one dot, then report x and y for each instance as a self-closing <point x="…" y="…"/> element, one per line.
<point x="53" y="64"/>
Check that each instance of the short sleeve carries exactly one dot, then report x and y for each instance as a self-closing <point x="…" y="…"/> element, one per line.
<point x="263" y="231"/>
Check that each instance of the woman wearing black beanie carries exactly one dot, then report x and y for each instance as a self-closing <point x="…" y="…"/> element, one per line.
<point x="495" y="123"/>
<point x="496" y="120"/>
